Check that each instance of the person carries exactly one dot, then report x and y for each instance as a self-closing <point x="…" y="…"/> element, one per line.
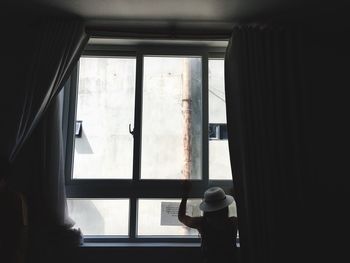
<point x="13" y="220"/>
<point x="218" y="231"/>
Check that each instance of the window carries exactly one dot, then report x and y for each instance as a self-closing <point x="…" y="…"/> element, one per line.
<point x="105" y="107"/>
<point x="219" y="158"/>
<point x="140" y="120"/>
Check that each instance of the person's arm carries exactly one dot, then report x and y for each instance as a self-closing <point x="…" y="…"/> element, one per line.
<point x="193" y="222"/>
<point x="233" y="219"/>
<point x="232" y="192"/>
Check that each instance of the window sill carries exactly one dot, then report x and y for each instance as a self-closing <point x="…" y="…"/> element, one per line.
<point x="138" y="245"/>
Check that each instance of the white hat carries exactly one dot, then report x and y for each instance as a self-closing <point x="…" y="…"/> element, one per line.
<point x="215" y="199"/>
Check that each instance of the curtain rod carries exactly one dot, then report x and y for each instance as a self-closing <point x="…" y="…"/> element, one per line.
<point x="162" y="34"/>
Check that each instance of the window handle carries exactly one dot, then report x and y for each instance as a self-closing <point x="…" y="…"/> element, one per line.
<point x="131" y="131"/>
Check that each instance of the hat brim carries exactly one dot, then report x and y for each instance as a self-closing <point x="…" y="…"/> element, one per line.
<point x="215" y="206"/>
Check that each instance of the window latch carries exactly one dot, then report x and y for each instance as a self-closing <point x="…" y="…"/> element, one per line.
<point x="131" y="131"/>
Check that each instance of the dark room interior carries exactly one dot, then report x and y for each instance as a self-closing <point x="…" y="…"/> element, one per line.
<point x="283" y="71"/>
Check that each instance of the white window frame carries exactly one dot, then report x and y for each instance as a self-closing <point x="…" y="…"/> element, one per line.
<point x="137" y="188"/>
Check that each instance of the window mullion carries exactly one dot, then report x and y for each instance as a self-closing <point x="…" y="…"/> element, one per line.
<point x="133" y="218"/>
<point x="205" y="144"/>
<point x="70" y="138"/>
<point x="137" y="144"/>
<point x="138" y="117"/>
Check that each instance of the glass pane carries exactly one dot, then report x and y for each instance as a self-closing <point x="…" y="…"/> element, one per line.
<point x="103" y="145"/>
<point x="172" y="118"/>
<point x="219" y="157"/>
<point x="159" y="217"/>
<point x="100" y="217"/>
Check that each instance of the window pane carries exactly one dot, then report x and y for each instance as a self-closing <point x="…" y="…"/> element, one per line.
<point x="159" y="217"/>
<point x="172" y="118"/>
<point x="219" y="157"/>
<point x="104" y="148"/>
<point x="100" y="217"/>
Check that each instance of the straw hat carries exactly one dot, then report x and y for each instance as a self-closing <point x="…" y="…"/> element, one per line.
<point x="215" y="199"/>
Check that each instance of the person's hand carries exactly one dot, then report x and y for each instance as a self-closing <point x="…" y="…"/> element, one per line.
<point x="186" y="185"/>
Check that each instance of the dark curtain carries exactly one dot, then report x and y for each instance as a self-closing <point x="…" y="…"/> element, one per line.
<point x="56" y="47"/>
<point x="267" y="112"/>
<point x="32" y="126"/>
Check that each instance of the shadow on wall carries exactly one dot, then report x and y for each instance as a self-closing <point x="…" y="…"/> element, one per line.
<point x="82" y="144"/>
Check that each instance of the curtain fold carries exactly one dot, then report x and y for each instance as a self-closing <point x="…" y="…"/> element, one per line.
<point x="57" y="46"/>
<point x="266" y="113"/>
<point x="52" y="166"/>
<point x="54" y="47"/>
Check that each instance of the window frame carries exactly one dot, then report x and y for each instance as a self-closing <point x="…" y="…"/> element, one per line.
<point x="137" y="188"/>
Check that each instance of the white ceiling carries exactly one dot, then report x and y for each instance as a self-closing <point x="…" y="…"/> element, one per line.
<point x="188" y="10"/>
<point x="215" y="14"/>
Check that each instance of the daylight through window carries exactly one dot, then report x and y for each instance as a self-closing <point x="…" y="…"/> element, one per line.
<point x="139" y="123"/>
